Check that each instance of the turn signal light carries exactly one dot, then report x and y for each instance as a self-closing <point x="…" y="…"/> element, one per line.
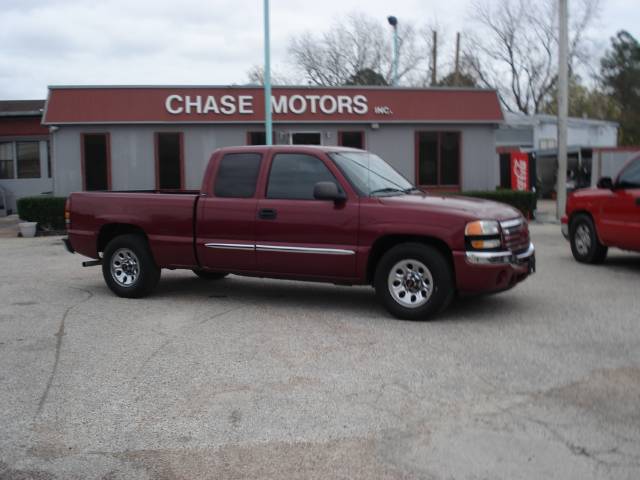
<point x="481" y="244"/>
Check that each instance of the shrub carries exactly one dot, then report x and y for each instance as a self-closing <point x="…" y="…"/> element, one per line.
<point x="47" y="211"/>
<point x="526" y="202"/>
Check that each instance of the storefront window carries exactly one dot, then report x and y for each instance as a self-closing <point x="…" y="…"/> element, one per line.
<point x="6" y="160"/>
<point x="306" y="138"/>
<point x="256" y="138"/>
<point x="95" y="149"/>
<point x="169" y="160"/>
<point x="28" y="159"/>
<point x="351" y="139"/>
<point x="438" y="158"/>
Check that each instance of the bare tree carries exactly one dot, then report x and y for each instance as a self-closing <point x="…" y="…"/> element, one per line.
<point x="256" y="76"/>
<point x="514" y="49"/>
<point x="358" y="43"/>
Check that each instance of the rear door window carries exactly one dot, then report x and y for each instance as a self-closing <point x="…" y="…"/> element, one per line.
<point x="237" y="175"/>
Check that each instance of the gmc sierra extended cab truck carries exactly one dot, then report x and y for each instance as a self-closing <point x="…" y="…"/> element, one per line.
<point x="328" y="214"/>
<point x="606" y="216"/>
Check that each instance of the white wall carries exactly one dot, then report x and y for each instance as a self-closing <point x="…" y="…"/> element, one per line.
<point x="133" y="160"/>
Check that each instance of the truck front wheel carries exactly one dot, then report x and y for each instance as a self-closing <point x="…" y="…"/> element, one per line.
<point x="585" y="246"/>
<point x="414" y="281"/>
<point x="128" y="267"/>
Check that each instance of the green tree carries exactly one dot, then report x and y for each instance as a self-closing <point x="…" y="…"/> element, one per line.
<point x="366" y="76"/>
<point x="620" y="76"/>
<point x="584" y="102"/>
<point x="460" y="80"/>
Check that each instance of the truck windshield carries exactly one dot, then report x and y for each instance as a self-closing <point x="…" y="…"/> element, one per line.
<point x="371" y="175"/>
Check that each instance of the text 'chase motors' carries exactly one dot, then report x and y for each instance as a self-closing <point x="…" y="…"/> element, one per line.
<point x="280" y="104"/>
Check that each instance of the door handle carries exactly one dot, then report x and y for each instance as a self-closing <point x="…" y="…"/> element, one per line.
<point x="267" y="213"/>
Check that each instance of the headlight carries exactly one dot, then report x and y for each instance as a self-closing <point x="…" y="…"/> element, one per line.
<point x="483" y="234"/>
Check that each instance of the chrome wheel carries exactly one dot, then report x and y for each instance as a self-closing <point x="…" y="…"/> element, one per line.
<point x="583" y="239"/>
<point x="125" y="267"/>
<point x="410" y="283"/>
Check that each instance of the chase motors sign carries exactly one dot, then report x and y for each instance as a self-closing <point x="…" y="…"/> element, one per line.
<point x="297" y="104"/>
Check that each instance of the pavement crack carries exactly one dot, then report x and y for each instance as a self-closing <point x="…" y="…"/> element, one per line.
<point x="59" y="334"/>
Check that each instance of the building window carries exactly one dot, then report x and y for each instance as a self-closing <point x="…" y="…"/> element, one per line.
<point x="49" y="169"/>
<point x="306" y="138"/>
<point x="169" y="161"/>
<point x="351" y="139"/>
<point x="95" y="161"/>
<point x="237" y="175"/>
<point x="294" y="175"/>
<point x="256" y="138"/>
<point x="6" y="160"/>
<point x="28" y="159"/>
<point x="438" y="158"/>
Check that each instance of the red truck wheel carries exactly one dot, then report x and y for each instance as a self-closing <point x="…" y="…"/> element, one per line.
<point x="585" y="246"/>
<point x="414" y="281"/>
<point x="128" y="267"/>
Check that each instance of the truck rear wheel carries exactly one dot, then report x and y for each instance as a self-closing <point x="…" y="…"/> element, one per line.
<point x="128" y="267"/>
<point x="585" y="246"/>
<point x="414" y="281"/>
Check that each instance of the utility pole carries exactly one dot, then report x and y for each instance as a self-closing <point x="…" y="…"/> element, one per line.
<point x="434" y="59"/>
<point x="563" y="106"/>
<point x="456" y="75"/>
<point x="268" y="127"/>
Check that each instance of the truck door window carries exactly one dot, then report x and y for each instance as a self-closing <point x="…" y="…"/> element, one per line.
<point x="237" y="175"/>
<point x="630" y="177"/>
<point x="293" y="176"/>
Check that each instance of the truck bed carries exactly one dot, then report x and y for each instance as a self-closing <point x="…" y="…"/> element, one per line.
<point x="165" y="216"/>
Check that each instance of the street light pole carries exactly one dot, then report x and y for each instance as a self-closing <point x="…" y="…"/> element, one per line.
<point x="563" y="107"/>
<point x="268" y="127"/>
<point x="393" y="21"/>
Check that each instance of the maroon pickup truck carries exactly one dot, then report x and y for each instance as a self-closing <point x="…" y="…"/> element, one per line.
<point x="327" y="214"/>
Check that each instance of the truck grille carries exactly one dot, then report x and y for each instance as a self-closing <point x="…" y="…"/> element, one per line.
<point x="515" y="235"/>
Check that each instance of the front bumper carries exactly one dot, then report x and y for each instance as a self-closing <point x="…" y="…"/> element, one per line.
<point x="564" y="226"/>
<point x="501" y="258"/>
<point x="484" y="272"/>
<point x="67" y="245"/>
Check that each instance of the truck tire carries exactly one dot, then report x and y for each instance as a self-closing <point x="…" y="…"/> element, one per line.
<point x="585" y="246"/>
<point x="414" y="281"/>
<point x="128" y="266"/>
<point x="205" y="275"/>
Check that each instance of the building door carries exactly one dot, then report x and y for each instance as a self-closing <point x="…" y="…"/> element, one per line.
<point x="306" y="138"/>
<point x="299" y="235"/>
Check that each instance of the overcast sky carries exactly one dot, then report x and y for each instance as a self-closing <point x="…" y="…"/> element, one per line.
<point x="213" y="42"/>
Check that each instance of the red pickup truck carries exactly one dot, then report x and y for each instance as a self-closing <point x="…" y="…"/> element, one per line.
<point x="606" y="216"/>
<point x="327" y="214"/>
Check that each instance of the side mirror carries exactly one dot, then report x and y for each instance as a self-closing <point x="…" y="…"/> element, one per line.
<point x="327" y="191"/>
<point x="606" y="183"/>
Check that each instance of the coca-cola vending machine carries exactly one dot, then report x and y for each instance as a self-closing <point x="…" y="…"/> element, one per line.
<point x="520" y="171"/>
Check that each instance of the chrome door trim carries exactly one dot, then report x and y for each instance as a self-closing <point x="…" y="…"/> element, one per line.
<point x="231" y="246"/>
<point x="290" y="249"/>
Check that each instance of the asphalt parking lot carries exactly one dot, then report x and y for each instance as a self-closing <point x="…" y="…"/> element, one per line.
<point x="251" y="378"/>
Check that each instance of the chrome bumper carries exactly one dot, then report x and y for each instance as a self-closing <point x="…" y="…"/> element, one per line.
<point x="500" y="258"/>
